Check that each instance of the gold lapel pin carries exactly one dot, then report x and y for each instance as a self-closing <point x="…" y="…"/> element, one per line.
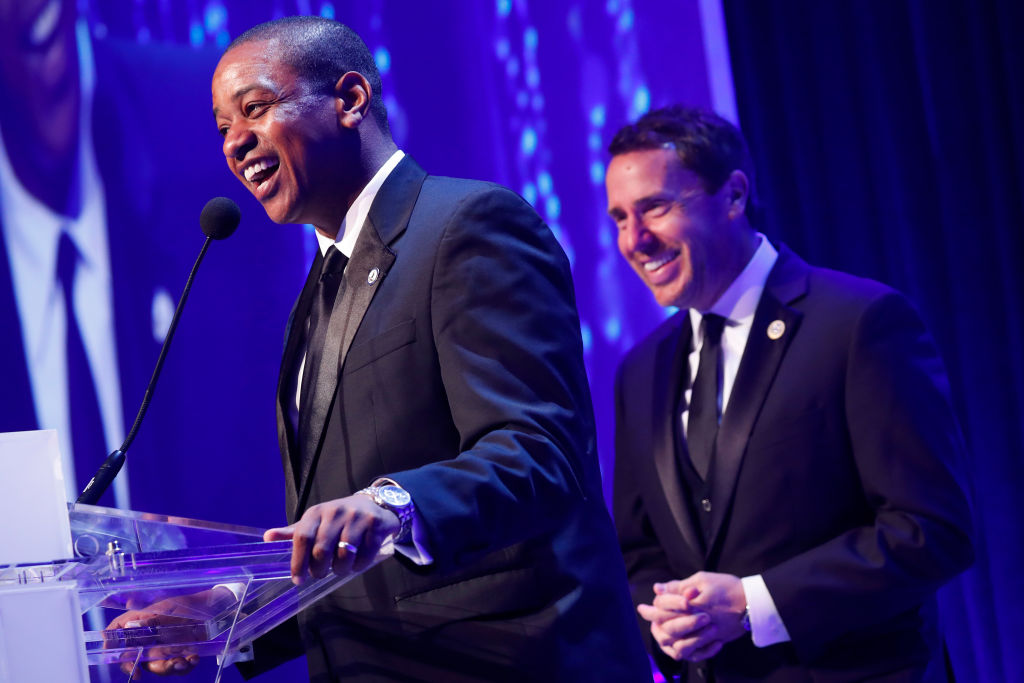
<point x="372" y="277"/>
<point x="776" y="329"/>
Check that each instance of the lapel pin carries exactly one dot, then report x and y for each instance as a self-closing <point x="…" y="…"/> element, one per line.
<point x="776" y="329"/>
<point x="372" y="277"/>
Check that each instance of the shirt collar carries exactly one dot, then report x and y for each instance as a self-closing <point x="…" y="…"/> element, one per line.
<point x="357" y="213"/>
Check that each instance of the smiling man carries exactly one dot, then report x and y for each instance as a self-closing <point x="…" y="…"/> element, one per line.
<point x="786" y="491"/>
<point x="425" y="394"/>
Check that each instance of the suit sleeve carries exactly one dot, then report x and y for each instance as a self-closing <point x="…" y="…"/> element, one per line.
<point x="645" y="558"/>
<point x="908" y="452"/>
<point x="506" y="330"/>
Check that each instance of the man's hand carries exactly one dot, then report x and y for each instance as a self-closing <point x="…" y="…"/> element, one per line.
<point x="693" y="618"/>
<point x="179" y="615"/>
<point x="342" y="535"/>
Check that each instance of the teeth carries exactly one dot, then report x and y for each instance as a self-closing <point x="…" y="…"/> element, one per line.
<point x="261" y="165"/>
<point x="658" y="263"/>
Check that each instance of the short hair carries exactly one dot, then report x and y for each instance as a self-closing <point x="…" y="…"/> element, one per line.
<point x="320" y="51"/>
<point x="705" y="143"/>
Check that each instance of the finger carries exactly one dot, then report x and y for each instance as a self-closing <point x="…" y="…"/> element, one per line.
<point x="330" y="532"/>
<point x="674" y="602"/>
<point x="686" y="626"/>
<point x="706" y="652"/>
<point x="687" y="647"/>
<point x="283" y="533"/>
<point x="656" y="614"/>
<point x="303" y="537"/>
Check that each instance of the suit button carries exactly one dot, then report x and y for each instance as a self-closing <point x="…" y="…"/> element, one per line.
<point x="702" y="672"/>
<point x="706" y="504"/>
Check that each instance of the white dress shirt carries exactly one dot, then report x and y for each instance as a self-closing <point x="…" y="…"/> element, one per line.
<point x="31" y="231"/>
<point x="737" y="305"/>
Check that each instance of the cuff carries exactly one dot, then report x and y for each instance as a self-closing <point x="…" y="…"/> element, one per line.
<point x="766" y="627"/>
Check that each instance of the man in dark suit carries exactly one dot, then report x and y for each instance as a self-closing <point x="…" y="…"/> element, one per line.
<point x="786" y="489"/>
<point x="432" y="391"/>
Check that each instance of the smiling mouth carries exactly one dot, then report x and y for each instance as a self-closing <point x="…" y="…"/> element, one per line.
<point x="654" y="264"/>
<point x="259" y="173"/>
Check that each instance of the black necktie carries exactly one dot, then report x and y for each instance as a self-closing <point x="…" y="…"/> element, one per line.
<point x="87" y="441"/>
<point x="319" y="319"/>
<point x="702" y="425"/>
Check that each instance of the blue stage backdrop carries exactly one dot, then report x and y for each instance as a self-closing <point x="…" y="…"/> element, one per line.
<point x="108" y="136"/>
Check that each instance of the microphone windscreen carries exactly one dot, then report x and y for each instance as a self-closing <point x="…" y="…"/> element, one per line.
<point x="219" y="218"/>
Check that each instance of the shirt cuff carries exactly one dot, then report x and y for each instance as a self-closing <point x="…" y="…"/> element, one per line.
<point x="766" y="627"/>
<point x="415" y="546"/>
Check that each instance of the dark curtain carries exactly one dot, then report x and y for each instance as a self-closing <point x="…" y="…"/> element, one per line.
<point x="889" y="142"/>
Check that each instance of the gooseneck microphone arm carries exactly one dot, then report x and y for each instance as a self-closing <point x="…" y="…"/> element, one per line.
<point x="219" y="219"/>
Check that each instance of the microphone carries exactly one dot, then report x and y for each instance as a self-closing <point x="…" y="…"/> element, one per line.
<point x="218" y="221"/>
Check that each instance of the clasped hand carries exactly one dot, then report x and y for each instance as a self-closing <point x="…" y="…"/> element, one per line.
<point x="691" y="619"/>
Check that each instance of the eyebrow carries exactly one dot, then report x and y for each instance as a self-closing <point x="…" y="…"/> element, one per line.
<point x="239" y="93"/>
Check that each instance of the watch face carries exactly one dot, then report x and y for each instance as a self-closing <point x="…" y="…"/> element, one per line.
<point x="392" y="495"/>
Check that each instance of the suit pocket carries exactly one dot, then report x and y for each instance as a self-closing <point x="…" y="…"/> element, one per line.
<point x="384" y="343"/>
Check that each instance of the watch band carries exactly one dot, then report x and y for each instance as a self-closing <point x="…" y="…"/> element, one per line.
<point x="404" y="512"/>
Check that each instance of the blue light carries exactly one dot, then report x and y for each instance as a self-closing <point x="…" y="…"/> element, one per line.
<point x="215" y="17"/>
<point x="143" y="35"/>
<point x="604" y="237"/>
<point x="597" y="116"/>
<point x="528" y="143"/>
<point x="530" y="193"/>
<point x="383" y="59"/>
<point x="533" y="77"/>
<point x="612" y="6"/>
<point x="612" y="329"/>
<point x="553" y="206"/>
<point x="588" y="337"/>
<point x="538" y="102"/>
<point x="522" y="97"/>
<point x="223" y="38"/>
<point x="512" y="67"/>
<point x="504" y="7"/>
<point x="530" y="39"/>
<point x="544" y="182"/>
<point x="596" y="172"/>
<point x="327" y="10"/>
<point x="196" y="35"/>
<point x="594" y="140"/>
<point x="641" y="100"/>
<point x="626" y="20"/>
<point x="501" y="48"/>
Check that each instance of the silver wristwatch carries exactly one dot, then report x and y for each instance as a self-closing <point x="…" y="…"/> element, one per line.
<point x="394" y="498"/>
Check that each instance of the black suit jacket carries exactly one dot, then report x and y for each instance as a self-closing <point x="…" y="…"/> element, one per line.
<point x="834" y="477"/>
<point x="459" y="374"/>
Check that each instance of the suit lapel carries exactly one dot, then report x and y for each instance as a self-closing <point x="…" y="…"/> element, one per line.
<point x="672" y="352"/>
<point x="295" y="333"/>
<point x="758" y="367"/>
<point x="370" y="262"/>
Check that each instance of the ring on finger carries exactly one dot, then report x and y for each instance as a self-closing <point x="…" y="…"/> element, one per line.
<point x="348" y="547"/>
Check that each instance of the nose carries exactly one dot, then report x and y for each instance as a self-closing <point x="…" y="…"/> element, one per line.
<point x="238" y="142"/>
<point x="633" y="235"/>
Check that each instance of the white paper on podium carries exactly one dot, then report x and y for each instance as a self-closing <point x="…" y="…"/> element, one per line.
<point x="41" y="634"/>
<point x="33" y="509"/>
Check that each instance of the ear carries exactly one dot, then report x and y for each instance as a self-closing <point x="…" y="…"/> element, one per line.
<point x="352" y="95"/>
<point x="737" y="191"/>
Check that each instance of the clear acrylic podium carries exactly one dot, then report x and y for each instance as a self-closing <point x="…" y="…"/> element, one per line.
<point x="215" y="587"/>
